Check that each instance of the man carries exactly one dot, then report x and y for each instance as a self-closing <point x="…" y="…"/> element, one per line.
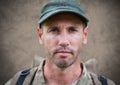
<point x="63" y="29"/>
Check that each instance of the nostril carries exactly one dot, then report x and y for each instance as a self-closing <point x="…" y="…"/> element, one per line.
<point x="64" y="44"/>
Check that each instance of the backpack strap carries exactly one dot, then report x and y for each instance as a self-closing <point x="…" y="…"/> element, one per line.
<point x="99" y="80"/>
<point x="25" y="77"/>
<point x="103" y="80"/>
<point x="22" y="76"/>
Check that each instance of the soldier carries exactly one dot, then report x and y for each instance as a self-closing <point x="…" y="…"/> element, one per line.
<point x="63" y="29"/>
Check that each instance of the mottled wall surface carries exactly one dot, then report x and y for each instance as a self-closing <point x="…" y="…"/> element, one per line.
<point x="19" y="41"/>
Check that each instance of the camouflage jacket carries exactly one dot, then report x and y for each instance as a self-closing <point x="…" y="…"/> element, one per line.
<point x="34" y="76"/>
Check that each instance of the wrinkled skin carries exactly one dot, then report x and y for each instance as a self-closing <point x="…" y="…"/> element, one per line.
<point x="63" y="35"/>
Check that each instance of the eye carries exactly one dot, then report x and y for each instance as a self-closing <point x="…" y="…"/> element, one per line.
<point x="54" y="30"/>
<point x="72" y="29"/>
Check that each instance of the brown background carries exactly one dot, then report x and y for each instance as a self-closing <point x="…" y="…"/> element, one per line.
<point x="19" y="42"/>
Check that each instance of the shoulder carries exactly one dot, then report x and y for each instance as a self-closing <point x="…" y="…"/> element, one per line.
<point x="91" y="66"/>
<point x="26" y="75"/>
<point x="101" y="80"/>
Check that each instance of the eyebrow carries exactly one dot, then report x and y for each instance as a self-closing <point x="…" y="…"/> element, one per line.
<point x="72" y="25"/>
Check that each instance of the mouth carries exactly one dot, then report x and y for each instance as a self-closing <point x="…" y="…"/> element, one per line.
<point x="63" y="53"/>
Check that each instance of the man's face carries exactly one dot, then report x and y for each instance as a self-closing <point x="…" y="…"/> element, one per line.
<point x="63" y="35"/>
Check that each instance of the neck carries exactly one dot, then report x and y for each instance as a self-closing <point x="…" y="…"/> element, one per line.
<point x="54" y="75"/>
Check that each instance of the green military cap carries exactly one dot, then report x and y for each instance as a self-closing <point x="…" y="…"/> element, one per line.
<point x="57" y="6"/>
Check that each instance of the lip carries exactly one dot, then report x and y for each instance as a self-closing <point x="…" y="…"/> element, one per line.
<point x="63" y="52"/>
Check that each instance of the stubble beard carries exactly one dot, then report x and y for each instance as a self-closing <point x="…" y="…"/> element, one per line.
<point x="63" y="64"/>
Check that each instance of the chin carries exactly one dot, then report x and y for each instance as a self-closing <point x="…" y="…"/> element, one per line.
<point x="63" y="63"/>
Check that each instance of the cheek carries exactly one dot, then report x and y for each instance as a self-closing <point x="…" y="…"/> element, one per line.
<point x="78" y="38"/>
<point x="49" y="42"/>
<point x="77" y="41"/>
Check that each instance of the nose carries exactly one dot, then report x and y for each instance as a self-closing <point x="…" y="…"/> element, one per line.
<point x="64" y="40"/>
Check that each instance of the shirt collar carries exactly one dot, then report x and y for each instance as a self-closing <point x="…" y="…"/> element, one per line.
<point x="85" y="78"/>
<point x="39" y="76"/>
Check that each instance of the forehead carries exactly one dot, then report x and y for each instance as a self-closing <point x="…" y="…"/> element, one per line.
<point x="64" y="17"/>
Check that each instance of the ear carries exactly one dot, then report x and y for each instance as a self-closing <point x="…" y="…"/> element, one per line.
<point x="40" y="33"/>
<point x="85" y="34"/>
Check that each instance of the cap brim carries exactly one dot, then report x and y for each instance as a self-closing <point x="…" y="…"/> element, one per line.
<point x="53" y="12"/>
